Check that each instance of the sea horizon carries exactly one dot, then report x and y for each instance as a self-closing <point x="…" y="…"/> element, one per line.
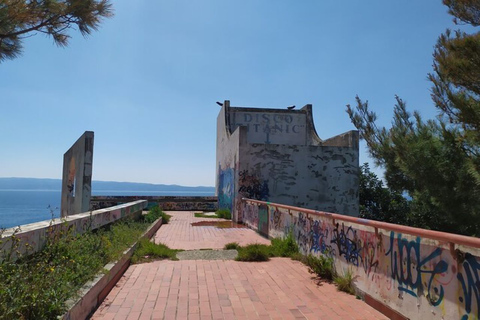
<point x="24" y="206"/>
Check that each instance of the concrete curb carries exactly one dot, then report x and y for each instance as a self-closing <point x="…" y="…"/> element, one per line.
<point x="94" y="292"/>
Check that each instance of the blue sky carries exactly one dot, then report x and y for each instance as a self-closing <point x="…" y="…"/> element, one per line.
<point x="146" y="83"/>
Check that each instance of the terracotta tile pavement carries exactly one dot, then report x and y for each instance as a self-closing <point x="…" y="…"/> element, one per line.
<point x="278" y="289"/>
<point x="180" y="234"/>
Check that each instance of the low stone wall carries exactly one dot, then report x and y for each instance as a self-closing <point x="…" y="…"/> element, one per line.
<point x="402" y="271"/>
<point x="30" y="238"/>
<point x="166" y="203"/>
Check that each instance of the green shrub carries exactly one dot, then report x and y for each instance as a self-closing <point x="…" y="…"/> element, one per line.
<point x="286" y="247"/>
<point x="299" y="257"/>
<point x="37" y="286"/>
<point x="148" y="251"/>
<point x="224" y="214"/>
<point x="253" y="252"/>
<point x="155" y="213"/>
<point x="202" y="215"/>
<point x="345" y="282"/>
<point x="232" y="245"/>
<point x="321" y="266"/>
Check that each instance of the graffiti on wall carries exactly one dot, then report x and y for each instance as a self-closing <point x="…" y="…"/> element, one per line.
<point x="250" y="216"/>
<point x="250" y="186"/>
<point x="226" y="180"/>
<point x="302" y="231"/>
<point x="392" y="266"/>
<point x="470" y="283"/>
<point x="347" y="243"/>
<point x="320" y="235"/>
<point x="410" y="268"/>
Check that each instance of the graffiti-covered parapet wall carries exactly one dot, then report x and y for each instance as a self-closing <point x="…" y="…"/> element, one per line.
<point x="166" y="203"/>
<point x="276" y="155"/>
<point x="411" y="272"/>
<point x="77" y="176"/>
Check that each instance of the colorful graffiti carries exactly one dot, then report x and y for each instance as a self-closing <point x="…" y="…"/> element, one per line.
<point x="397" y="269"/>
<point x="409" y="268"/>
<point x="225" y="190"/>
<point x="250" y="216"/>
<point x="347" y="243"/>
<point x="250" y="186"/>
<point x="320" y="244"/>
<point x="470" y="283"/>
<point x="276" y="219"/>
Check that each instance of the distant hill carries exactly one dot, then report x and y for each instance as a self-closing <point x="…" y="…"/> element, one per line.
<point x="56" y="184"/>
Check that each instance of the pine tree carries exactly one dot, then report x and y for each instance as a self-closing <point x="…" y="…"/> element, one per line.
<point x="20" y="19"/>
<point x="437" y="161"/>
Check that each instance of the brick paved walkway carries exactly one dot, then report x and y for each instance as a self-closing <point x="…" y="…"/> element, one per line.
<point x="278" y="289"/>
<point x="180" y="234"/>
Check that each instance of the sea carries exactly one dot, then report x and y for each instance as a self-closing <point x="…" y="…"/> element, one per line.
<point x="19" y="207"/>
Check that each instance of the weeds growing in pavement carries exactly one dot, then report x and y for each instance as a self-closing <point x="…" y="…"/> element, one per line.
<point x="345" y="282"/>
<point x="254" y="252"/>
<point x="232" y="245"/>
<point x="322" y="266"/>
<point x="224" y="214"/>
<point x="286" y="247"/>
<point x="149" y="251"/>
<point x="202" y="215"/>
<point x="154" y="213"/>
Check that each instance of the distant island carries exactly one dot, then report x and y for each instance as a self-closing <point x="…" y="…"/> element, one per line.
<point x="97" y="186"/>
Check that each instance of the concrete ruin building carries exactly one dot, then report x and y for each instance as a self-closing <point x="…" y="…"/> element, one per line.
<point x="276" y="155"/>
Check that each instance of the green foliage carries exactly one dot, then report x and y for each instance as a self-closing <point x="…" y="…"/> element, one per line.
<point x="456" y="88"/>
<point x="37" y="286"/>
<point x="345" y="282"/>
<point x="148" y="251"/>
<point x="321" y="266"/>
<point x="380" y="203"/>
<point x="232" y="245"/>
<point x="253" y="252"/>
<point x="20" y="18"/>
<point x="286" y="247"/>
<point x="437" y="162"/>
<point x="224" y="214"/>
<point x="202" y="215"/>
<point x="424" y="160"/>
<point x="155" y="213"/>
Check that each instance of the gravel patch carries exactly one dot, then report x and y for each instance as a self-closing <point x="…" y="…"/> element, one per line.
<point x="207" y="255"/>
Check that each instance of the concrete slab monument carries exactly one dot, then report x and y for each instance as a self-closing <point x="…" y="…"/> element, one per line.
<point x="77" y="176"/>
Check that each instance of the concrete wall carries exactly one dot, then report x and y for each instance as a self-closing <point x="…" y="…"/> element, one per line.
<point x="32" y="237"/>
<point x="77" y="176"/>
<point x="276" y="155"/>
<point x="413" y="275"/>
<point x="227" y="158"/>
<point x="166" y="203"/>
<point x="271" y="126"/>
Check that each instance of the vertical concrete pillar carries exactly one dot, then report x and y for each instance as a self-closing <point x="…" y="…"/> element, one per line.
<point x="77" y="176"/>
